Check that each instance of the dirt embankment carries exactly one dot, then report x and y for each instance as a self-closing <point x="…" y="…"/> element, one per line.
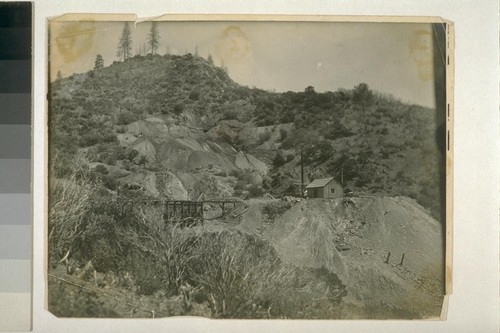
<point x="353" y="238"/>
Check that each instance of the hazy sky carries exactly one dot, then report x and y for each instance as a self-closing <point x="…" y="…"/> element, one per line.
<point x="392" y="58"/>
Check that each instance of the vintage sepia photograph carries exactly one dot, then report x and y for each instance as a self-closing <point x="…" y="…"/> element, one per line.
<point x="247" y="168"/>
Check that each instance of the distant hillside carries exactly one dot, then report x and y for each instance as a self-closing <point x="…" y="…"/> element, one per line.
<point x="180" y="121"/>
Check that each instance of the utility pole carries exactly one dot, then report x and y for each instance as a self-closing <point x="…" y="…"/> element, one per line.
<point x="301" y="176"/>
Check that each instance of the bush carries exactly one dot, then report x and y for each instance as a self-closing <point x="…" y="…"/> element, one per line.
<point x="89" y="139"/>
<point x="132" y="154"/>
<point x="283" y="134"/>
<point x="255" y="191"/>
<point x="235" y="173"/>
<point x="278" y="160"/>
<point x="178" y="108"/>
<point x="221" y="173"/>
<point x="274" y="210"/>
<point x="126" y="118"/>
<point x="161" y="252"/>
<point x="101" y="169"/>
<point x="66" y="301"/>
<point x="109" y="182"/>
<point x="242" y="277"/>
<point x="68" y="209"/>
<point x="230" y="114"/>
<point x="264" y="136"/>
<point x="194" y="95"/>
<point x="207" y="185"/>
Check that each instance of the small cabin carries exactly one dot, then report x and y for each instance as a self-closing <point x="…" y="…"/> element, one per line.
<point x="325" y="188"/>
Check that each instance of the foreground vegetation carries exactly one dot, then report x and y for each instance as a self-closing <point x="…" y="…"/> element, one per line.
<point x="237" y="275"/>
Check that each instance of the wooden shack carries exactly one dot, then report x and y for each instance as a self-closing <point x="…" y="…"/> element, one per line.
<point x="324" y="188"/>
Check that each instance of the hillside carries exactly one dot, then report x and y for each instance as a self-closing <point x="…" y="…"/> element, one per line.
<point x="183" y="114"/>
<point x="124" y="138"/>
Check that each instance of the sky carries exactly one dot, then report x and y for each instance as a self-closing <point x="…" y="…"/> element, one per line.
<point x="393" y="58"/>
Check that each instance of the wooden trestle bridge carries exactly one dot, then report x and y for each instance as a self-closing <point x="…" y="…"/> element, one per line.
<point x="176" y="210"/>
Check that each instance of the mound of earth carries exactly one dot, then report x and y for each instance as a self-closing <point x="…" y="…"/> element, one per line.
<point x="353" y="237"/>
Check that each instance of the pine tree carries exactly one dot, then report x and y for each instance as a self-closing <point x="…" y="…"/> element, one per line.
<point x="99" y="63"/>
<point x="125" y="44"/>
<point x="210" y="59"/>
<point x="59" y="76"/>
<point x="153" y="38"/>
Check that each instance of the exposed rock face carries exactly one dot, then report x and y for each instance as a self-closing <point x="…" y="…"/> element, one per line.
<point x="185" y="155"/>
<point x="145" y="128"/>
<point x="249" y="162"/>
<point x="126" y="139"/>
<point x="146" y="149"/>
<point x="171" y="187"/>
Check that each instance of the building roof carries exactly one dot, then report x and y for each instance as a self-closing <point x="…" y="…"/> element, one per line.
<point x="319" y="182"/>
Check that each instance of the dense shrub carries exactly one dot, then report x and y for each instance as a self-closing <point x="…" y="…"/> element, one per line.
<point x="283" y="134"/>
<point x="66" y="301"/>
<point x="161" y="253"/>
<point x="264" y="136"/>
<point x="69" y="201"/>
<point x="275" y="209"/>
<point x="279" y="160"/>
<point x="126" y="118"/>
<point x="178" y="108"/>
<point x="101" y="169"/>
<point x="255" y="191"/>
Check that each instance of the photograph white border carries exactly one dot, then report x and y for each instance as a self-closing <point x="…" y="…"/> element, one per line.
<point x="473" y="305"/>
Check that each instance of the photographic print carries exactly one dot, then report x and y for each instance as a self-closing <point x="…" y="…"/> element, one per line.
<point x="247" y="168"/>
